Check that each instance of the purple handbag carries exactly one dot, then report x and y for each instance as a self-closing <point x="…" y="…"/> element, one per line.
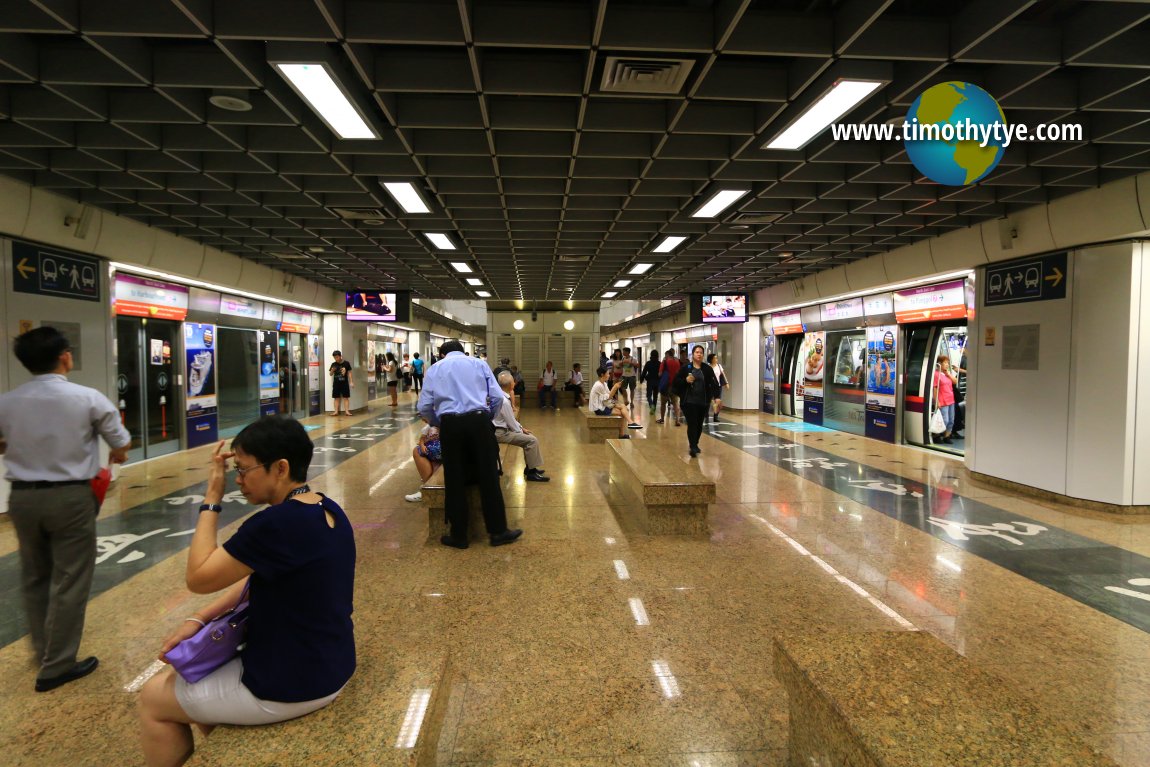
<point x="216" y="643"/>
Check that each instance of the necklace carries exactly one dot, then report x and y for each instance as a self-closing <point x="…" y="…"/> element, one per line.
<point x="298" y="491"/>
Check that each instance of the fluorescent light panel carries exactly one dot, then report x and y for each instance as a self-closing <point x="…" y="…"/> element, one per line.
<point x="669" y="243"/>
<point x="319" y="89"/>
<point x="640" y="268"/>
<point x="408" y="199"/>
<point x="440" y="240"/>
<point x="474" y="281"/>
<point x="719" y="202"/>
<point x="610" y="294"/>
<point x="461" y="267"/>
<point x="622" y="283"/>
<point x="483" y="294"/>
<point x="843" y="96"/>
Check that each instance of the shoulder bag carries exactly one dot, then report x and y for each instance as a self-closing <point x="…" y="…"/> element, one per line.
<point x="216" y="643"/>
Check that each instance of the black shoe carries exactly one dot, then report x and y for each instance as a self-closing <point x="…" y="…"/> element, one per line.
<point x="634" y="425"/>
<point x="947" y="441"/>
<point x="694" y="451"/>
<point x="455" y="543"/>
<point x="507" y="536"/>
<point x="536" y="476"/>
<point x="624" y="436"/>
<point x="79" y="671"/>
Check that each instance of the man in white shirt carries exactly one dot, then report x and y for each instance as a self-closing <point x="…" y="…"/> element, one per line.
<point x="575" y="385"/>
<point x="53" y="429"/>
<point x="509" y="432"/>
<point x="603" y="402"/>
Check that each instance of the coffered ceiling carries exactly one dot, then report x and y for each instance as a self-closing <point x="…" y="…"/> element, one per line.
<point x="551" y="183"/>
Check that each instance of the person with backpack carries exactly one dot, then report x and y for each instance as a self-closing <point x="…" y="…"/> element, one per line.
<point x="669" y="400"/>
<point x="650" y="378"/>
<point x="417" y="372"/>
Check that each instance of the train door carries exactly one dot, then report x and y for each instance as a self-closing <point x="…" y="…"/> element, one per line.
<point x="924" y="345"/>
<point x="844" y="386"/>
<point x="790" y="388"/>
<point x="146" y="385"/>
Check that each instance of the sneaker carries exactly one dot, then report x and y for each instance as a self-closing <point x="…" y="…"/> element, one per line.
<point x="415" y="497"/>
<point x="634" y="425"/>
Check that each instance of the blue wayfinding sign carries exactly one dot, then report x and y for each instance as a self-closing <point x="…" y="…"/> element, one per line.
<point x="1034" y="279"/>
<point x="54" y="273"/>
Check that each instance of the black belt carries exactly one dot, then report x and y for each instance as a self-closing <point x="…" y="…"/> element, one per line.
<point x="19" y="484"/>
<point x="462" y="415"/>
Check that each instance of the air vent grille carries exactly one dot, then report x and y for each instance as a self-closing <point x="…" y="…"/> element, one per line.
<point x="756" y="218"/>
<point x="359" y="214"/>
<point x="623" y="74"/>
<point x="580" y="259"/>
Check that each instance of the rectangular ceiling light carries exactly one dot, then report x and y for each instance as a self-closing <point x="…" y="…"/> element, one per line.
<point x="474" y="281"/>
<point x="622" y="283"/>
<point x="843" y="96"/>
<point x="610" y="294"/>
<point x="405" y="194"/>
<point x="316" y="85"/>
<point x="461" y="267"/>
<point x="483" y="294"/>
<point x="440" y="240"/>
<point x="640" y="268"/>
<point x="719" y="202"/>
<point x="669" y="243"/>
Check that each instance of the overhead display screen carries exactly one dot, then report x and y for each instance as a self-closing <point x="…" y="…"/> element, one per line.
<point x="716" y="308"/>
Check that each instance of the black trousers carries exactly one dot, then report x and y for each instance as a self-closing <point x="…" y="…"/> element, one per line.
<point x="471" y="457"/>
<point x="695" y="414"/>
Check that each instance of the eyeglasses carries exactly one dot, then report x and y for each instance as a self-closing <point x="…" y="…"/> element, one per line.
<point x="241" y="473"/>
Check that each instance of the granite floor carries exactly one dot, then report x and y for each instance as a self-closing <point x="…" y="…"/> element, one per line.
<point x="589" y="643"/>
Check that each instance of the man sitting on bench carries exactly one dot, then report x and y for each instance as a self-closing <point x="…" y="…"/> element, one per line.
<point x="508" y="431"/>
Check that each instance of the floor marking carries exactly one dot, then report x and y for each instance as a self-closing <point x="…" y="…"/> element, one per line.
<point x="145" y="675"/>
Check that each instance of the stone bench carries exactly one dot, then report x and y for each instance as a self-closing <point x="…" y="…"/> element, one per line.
<point x="369" y="723"/>
<point x="597" y="429"/>
<point x="435" y="499"/>
<point x="672" y="496"/>
<point x="905" y="699"/>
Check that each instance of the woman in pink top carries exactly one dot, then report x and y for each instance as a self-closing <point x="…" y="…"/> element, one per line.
<point x="945" y="381"/>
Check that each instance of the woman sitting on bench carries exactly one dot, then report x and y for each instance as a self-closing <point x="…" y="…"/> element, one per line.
<point x="603" y="402"/>
<point x="294" y="561"/>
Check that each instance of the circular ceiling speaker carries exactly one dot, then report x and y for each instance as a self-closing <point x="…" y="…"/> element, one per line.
<point x="230" y="101"/>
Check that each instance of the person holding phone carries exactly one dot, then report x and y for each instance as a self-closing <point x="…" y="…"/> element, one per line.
<point x="602" y="400"/>
<point x="696" y="385"/>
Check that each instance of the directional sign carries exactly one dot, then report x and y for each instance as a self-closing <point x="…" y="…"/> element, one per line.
<point x="1035" y="279"/>
<point x="54" y="273"/>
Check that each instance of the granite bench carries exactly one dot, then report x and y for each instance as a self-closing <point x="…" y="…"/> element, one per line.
<point x="435" y="496"/>
<point x="671" y="495"/>
<point x="373" y="721"/>
<point x="597" y="429"/>
<point x="905" y="699"/>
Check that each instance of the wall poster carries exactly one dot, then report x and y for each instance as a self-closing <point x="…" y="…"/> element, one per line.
<point x="881" y="379"/>
<point x="201" y="403"/>
<point x="814" y="365"/>
<point x="315" y="390"/>
<point x="769" y="373"/>
<point x="269" y="372"/>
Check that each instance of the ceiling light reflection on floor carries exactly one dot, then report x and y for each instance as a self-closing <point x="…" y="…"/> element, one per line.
<point x="947" y="563"/>
<point x="413" y="718"/>
<point x="639" y="611"/>
<point x="609" y="541"/>
<point x="666" y="679"/>
<point x="621" y="570"/>
<point x="569" y="480"/>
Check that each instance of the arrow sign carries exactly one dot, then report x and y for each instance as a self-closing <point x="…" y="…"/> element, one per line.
<point x="1033" y="279"/>
<point x="1054" y="279"/>
<point x="61" y="273"/>
<point x="25" y="268"/>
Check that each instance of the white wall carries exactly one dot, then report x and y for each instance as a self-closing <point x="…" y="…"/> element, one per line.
<point x="1020" y="418"/>
<point x="741" y="363"/>
<point x="1141" y="414"/>
<point x="351" y="339"/>
<point x="1104" y="359"/>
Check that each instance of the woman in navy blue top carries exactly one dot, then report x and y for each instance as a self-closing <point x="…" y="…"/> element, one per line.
<point x="297" y="559"/>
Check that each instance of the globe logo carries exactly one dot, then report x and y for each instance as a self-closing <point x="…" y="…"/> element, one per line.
<point x="951" y="136"/>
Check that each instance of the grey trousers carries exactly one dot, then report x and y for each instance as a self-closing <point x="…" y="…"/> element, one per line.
<point x="56" y="530"/>
<point x="532" y="455"/>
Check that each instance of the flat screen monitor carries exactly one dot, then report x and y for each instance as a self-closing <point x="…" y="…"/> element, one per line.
<point x="377" y="306"/>
<point x="711" y="308"/>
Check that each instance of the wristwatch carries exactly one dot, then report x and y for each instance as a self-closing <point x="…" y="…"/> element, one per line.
<point x="211" y="507"/>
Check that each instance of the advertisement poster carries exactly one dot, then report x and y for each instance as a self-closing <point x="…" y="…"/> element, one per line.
<point x="372" y="385"/>
<point x="200" y="350"/>
<point x="881" y="379"/>
<point x="141" y="297"/>
<point x="814" y="360"/>
<point x="269" y="372"/>
<point x="315" y="392"/>
<point x="931" y="303"/>
<point x="769" y="374"/>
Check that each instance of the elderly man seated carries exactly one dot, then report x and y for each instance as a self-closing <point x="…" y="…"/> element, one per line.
<point x="508" y="431"/>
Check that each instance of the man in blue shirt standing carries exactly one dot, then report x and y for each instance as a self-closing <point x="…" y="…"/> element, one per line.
<point x="461" y="396"/>
<point x="52" y="429"/>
